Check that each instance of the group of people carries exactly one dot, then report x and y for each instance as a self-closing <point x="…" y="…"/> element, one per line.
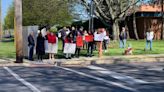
<point x="72" y="38"/>
<point x="43" y="44"/>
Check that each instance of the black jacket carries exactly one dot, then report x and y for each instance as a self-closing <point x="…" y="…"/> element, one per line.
<point x="40" y="46"/>
<point x="31" y="40"/>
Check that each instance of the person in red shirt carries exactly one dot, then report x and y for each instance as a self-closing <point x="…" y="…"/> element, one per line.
<point x="52" y="40"/>
<point x="68" y="39"/>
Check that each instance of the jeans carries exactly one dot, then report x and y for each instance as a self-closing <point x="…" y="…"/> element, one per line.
<point x="31" y="52"/>
<point x="123" y="43"/>
<point x="151" y="44"/>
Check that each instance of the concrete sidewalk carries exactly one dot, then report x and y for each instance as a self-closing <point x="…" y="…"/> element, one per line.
<point x="83" y="61"/>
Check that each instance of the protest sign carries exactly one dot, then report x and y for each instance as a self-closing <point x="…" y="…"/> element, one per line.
<point x="79" y="41"/>
<point x="69" y="48"/>
<point x="99" y="37"/>
<point x="89" y="38"/>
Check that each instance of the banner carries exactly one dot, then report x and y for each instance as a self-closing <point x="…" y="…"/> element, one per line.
<point x="79" y="41"/>
<point x="51" y="48"/>
<point x="99" y="37"/>
<point x="89" y="38"/>
<point x="69" y="48"/>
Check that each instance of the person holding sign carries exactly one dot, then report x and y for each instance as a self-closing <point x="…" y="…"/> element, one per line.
<point x="89" y="40"/>
<point x="79" y="43"/>
<point x="69" y="47"/>
<point x="52" y="45"/>
<point x="99" y="37"/>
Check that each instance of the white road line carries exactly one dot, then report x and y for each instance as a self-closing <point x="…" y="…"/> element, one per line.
<point x="127" y="79"/>
<point x="156" y="69"/>
<point x="29" y="85"/>
<point x="99" y="79"/>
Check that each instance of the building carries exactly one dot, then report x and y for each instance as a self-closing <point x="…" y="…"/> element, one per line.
<point x="148" y="17"/>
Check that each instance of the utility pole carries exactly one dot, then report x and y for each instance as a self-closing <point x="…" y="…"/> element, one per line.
<point x="18" y="31"/>
<point x="91" y="20"/>
<point x="0" y="22"/>
<point x="162" y="16"/>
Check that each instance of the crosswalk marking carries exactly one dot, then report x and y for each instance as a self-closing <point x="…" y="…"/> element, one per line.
<point x="99" y="79"/>
<point x="29" y="85"/>
<point x="127" y="79"/>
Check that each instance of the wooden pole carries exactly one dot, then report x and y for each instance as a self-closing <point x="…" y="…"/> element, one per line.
<point x="18" y="31"/>
<point x="162" y="16"/>
<point x="0" y="22"/>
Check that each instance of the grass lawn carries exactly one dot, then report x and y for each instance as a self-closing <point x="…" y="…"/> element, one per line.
<point x="7" y="49"/>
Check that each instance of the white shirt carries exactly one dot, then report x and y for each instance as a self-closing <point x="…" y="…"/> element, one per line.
<point x="150" y="35"/>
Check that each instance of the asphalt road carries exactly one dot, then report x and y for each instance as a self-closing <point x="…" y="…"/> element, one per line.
<point x="139" y="77"/>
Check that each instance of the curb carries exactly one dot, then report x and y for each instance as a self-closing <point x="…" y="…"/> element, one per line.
<point x="84" y="61"/>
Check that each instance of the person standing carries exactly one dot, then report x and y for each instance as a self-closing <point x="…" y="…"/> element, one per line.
<point x="31" y="44"/>
<point x="40" y="46"/>
<point x="106" y="41"/>
<point x="99" y="37"/>
<point x="85" y="33"/>
<point x="79" y="43"/>
<point x="63" y="33"/>
<point x="69" y="39"/>
<point x="149" y="39"/>
<point x="90" y="44"/>
<point x="123" y="38"/>
<point x="52" y="40"/>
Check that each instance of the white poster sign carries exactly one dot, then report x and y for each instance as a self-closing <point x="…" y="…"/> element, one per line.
<point x="99" y="37"/>
<point x="69" y="48"/>
<point x="51" y="48"/>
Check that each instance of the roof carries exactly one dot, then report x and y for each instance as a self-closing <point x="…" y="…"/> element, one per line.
<point x="149" y="8"/>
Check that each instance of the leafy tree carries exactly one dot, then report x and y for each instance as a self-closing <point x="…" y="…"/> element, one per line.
<point x="9" y="18"/>
<point x="43" y="12"/>
<point x="111" y="10"/>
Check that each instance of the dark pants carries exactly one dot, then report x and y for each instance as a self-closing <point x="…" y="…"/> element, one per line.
<point x="63" y="43"/>
<point x="31" y="52"/>
<point x="77" y="52"/>
<point x="105" y="44"/>
<point x="40" y="57"/>
<point x="90" y="49"/>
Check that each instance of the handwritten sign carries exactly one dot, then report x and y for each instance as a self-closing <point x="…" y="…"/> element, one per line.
<point x="69" y="48"/>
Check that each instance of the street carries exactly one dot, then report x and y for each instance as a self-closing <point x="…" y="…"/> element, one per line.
<point x="134" y="77"/>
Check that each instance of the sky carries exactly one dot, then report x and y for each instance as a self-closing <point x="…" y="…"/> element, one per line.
<point x="5" y="5"/>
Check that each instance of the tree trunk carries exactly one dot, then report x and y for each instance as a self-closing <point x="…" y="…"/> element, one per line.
<point x="0" y="22"/>
<point x="18" y="30"/>
<point x="162" y="32"/>
<point x="115" y="30"/>
<point x="135" y="27"/>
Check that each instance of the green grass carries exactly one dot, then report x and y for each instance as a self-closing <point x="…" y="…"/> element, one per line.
<point x="7" y="49"/>
<point x="138" y="48"/>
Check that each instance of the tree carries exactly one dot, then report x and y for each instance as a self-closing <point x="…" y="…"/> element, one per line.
<point x="43" y="12"/>
<point x="111" y="10"/>
<point x="9" y="18"/>
<point x="134" y="22"/>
